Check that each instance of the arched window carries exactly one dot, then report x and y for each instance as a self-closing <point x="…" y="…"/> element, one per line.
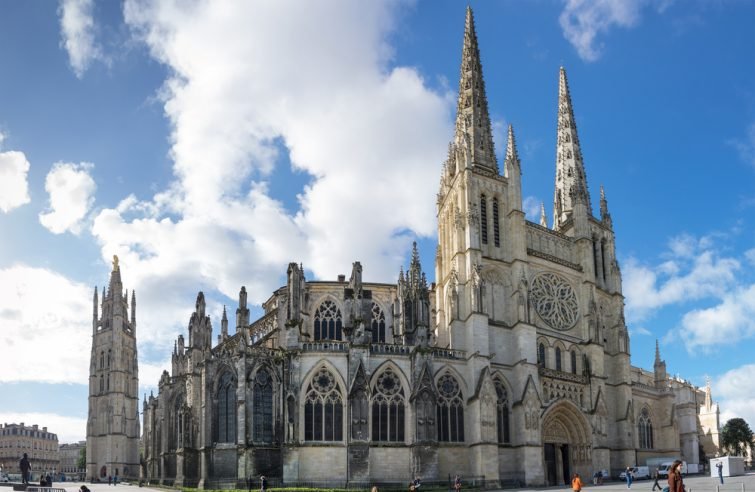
<point x="541" y="355"/>
<point x="388" y="408"/>
<point x="496" y="225"/>
<point x="102" y="359"/>
<point x="328" y="322"/>
<point x="323" y="409"/>
<point x="558" y="358"/>
<point x="225" y="430"/>
<point x="502" y="412"/>
<point x="645" y="430"/>
<point x="107" y="384"/>
<point x="483" y="219"/>
<point x="109" y="356"/>
<point x="425" y="414"/>
<point x="378" y="324"/>
<point x="574" y="362"/>
<point x="262" y="407"/>
<point x="450" y="410"/>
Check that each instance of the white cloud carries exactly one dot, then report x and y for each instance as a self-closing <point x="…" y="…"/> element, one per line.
<point x="78" y="34"/>
<point x="726" y="323"/>
<point x="43" y="313"/>
<point x="736" y="394"/>
<point x="532" y="207"/>
<point x="694" y="271"/>
<point x="68" y="429"/>
<point x="250" y="81"/>
<point x="746" y="146"/>
<point x="582" y="21"/>
<point x="71" y="190"/>
<point x="14" y="189"/>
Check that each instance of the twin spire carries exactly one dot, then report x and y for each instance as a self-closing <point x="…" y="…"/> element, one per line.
<point x="473" y="130"/>
<point x="473" y="138"/>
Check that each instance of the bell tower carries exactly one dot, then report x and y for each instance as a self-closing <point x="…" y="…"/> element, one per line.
<point x="113" y="420"/>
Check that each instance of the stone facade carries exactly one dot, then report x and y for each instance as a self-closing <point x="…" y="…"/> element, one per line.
<point x="40" y="445"/>
<point x="513" y="366"/>
<point x="69" y="458"/>
<point x="113" y="427"/>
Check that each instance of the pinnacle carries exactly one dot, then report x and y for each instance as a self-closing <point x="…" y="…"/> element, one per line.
<point x="543" y="219"/>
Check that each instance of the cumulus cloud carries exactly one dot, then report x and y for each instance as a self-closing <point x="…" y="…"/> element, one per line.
<point x="254" y="83"/>
<point x="726" y="323"/>
<point x="78" y="34"/>
<point x="68" y="429"/>
<point x="71" y="189"/>
<point x="41" y="312"/>
<point x="14" y="188"/>
<point x="736" y="393"/>
<point x="693" y="271"/>
<point x="583" y="21"/>
<point x="532" y="208"/>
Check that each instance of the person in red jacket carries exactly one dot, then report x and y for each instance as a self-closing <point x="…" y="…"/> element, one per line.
<point x="675" y="482"/>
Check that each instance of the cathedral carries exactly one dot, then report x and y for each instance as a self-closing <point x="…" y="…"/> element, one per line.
<point x="113" y="428"/>
<point x="513" y="367"/>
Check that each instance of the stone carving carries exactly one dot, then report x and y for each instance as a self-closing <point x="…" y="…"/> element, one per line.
<point x="554" y="300"/>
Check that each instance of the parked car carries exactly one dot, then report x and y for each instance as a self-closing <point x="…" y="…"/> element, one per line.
<point x="4" y="477"/>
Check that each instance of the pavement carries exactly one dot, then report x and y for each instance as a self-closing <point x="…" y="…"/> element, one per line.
<point x="693" y="483"/>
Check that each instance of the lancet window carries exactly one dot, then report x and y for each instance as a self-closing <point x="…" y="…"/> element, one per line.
<point x="388" y="418"/>
<point x="645" y="430"/>
<point x="502" y="412"/>
<point x="496" y="225"/>
<point x="377" y="324"/>
<point x="102" y="359"/>
<point x="483" y="219"/>
<point x="225" y="428"/>
<point x="328" y="322"/>
<point x="450" y="410"/>
<point x="558" y="358"/>
<point x="574" y="362"/>
<point x="262" y="407"/>
<point x="109" y="356"/>
<point x="323" y="409"/>
<point x="541" y="355"/>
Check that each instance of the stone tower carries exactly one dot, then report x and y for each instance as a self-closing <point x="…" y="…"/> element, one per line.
<point x="113" y="422"/>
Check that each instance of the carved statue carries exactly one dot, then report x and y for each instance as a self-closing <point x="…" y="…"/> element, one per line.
<point x="115" y="263"/>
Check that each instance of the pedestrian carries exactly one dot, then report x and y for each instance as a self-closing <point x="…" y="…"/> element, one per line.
<point x="675" y="482"/>
<point x="720" y="467"/>
<point x="109" y="480"/>
<point x="629" y="477"/>
<point x="457" y="483"/>
<point x="42" y="481"/>
<point x="48" y="479"/>
<point x="249" y="484"/>
<point x="417" y="484"/>
<point x="115" y="480"/>
<point x="576" y="483"/>
<point x="656" y="484"/>
<point x="25" y="469"/>
<point x="263" y="483"/>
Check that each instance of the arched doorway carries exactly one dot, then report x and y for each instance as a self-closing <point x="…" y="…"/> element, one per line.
<point x="103" y="471"/>
<point x="566" y="443"/>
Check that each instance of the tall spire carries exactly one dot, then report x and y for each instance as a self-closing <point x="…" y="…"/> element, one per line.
<point x="605" y="216"/>
<point x="133" y="309"/>
<point x="224" y="325"/>
<point x="657" y="353"/>
<point x="473" y="131"/>
<point x="116" y="286"/>
<point x="512" y="156"/>
<point x="571" y="181"/>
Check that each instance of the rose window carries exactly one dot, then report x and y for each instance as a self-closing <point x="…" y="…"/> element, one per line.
<point x="554" y="300"/>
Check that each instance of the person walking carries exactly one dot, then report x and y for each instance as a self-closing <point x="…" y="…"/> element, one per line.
<point x="576" y="483"/>
<point x="48" y="479"/>
<point x="628" y="475"/>
<point x="655" y="483"/>
<point x="25" y="469"/>
<point x="457" y="483"/>
<point x="720" y="467"/>
<point x="675" y="481"/>
<point x="263" y="483"/>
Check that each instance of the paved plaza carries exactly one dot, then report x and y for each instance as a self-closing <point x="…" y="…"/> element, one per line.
<point x="693" y="483"/>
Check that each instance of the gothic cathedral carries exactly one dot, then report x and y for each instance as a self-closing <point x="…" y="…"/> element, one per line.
<point x="113" y="428"/>
<point x="513" y="367"/>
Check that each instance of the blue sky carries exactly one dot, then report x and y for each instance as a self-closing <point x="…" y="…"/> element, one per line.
<point x="210" y="143"/>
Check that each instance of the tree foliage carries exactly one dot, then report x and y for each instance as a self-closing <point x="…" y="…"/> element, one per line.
<point x="82" y="461"/>
<point x="737" y="438"/>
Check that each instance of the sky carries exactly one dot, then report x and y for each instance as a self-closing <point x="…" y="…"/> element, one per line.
<point x="210" y="143"/>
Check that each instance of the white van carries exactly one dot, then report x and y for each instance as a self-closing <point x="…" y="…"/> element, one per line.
<point x="664" y="468"/>
<point x="638" y="472"/>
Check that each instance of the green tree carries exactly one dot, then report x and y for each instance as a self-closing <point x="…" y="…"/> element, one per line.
<point x="81" y="463"/>
<point x="737" y="438"/>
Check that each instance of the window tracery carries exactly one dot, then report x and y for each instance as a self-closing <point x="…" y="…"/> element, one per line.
<point x="262" y="407"/>
<point x="645" y="430"/>
<point x="450" y="410"/>
<point x="328" y="322"/>
<point x="388" y="418"/>
<point x="502" y="412"/>
<point x="378" y="324"/>
<point x="323" y="408"/>
<point x="225" y="430"/>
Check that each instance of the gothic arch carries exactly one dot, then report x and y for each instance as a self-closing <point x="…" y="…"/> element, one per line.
<point x="323" y="413"/>
<point x="339" y="310"/>
<point x="457" y="375"/>
<point x="567" y="442"/>
<point x="389" y="364"/>
<point x="560" y="356"/>
<point x="221" y="369"/>
<point x="263" y="400"/>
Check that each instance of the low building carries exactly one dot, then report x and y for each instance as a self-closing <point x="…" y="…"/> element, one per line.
<point x="40" y="445"/>
<point x="69" y="458"/>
